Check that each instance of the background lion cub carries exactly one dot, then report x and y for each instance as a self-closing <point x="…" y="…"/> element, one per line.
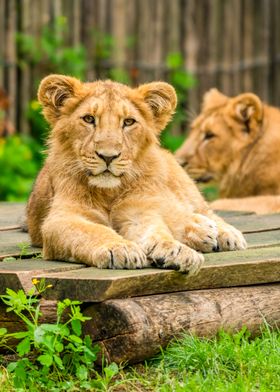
<point x="236" y="141"/>
<point x="108" y="195"/>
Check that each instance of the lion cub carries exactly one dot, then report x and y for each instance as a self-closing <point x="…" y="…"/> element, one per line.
<point x="108" y="195"/>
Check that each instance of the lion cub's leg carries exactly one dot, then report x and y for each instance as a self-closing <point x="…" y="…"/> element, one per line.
<point x="74" y="237"/>
<point x="159" y="245"/>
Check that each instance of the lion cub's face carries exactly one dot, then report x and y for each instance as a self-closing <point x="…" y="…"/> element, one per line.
<point x="108" y="134"/>
<point x="220" y="134"/>
<point x="105" y="126"/>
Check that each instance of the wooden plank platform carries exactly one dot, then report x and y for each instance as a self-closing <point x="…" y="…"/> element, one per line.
<point x="226" y="269"/>
<point x="16" y="243"/>
<point x="141" y="310"/>
<point x="258" y="264"/>
<point x="11" y="215"/>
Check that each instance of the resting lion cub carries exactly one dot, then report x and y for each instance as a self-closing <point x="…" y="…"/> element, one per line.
<point x="236" y="141"/>
<point x="108" y="195"/>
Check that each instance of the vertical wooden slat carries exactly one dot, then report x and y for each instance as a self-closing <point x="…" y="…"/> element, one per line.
<point x="10" y="54"/>
<point x="248" y="46"/>
<point x="191" y="48"/>
<point x="2" y="41"/>
<point x="237" y="47"/>
<point x="76" y="24"/>
<point x="25" y="81"/>
<point x="119" y="33"/>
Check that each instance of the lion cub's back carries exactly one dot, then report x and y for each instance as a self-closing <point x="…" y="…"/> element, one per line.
<point x="38" y="205"/>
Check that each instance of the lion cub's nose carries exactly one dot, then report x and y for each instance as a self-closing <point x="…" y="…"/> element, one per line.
<point x="107" y="158"/>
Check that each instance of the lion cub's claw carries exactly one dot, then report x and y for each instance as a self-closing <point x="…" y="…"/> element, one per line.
<point x="201" y="234"/>
<point x="120" y="255"/>
<point x="175" y="255"/>
<point x="229" y="238"/>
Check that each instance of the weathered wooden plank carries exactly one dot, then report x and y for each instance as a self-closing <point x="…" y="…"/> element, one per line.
<point x="263" y="239"/>
<point x="228" y="269"/>
<point x="18" y="274"/>
<point x="229" y="214"/>
<point x="16" y="243"/>
<point x="11" y="215"/>
<point x="135" y="329"/>
<point x="255" y="223"/>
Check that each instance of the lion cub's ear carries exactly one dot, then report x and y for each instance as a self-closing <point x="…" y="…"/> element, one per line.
<point x="162" y="99"/>
<point x="247" y="107"/>
<point x="53" y="92"/>
<point x="213" y="99"/>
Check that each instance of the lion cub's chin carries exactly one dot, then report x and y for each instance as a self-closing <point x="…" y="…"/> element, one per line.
<point x="104" y="181"/>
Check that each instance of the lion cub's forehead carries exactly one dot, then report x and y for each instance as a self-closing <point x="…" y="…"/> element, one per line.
<point x="108" y="96"/>
<point x="208" y="121"/>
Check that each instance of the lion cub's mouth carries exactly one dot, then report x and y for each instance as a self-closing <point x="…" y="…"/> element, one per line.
<point x="205" y="178"/>
<point x="200" y="176"/>
<point x="105" y="173"/>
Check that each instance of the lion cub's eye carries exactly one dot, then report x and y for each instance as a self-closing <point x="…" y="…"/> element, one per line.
<point x="127" y="122"/>
<point x="209" y="135"/>
<point x="89" y="119"/>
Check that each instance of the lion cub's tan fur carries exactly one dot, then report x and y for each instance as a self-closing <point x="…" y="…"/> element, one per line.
<point x="108" y="195"/>
<point x="235" y="141"/>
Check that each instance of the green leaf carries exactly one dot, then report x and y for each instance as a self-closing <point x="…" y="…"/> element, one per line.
<point x="58" y="347"/>
<point x="77" y="327"/>
<point x="39" y="334"/>
<point x="3" y="331"/>
<point x="51" y="328"/>
<point x="111" y="370"/>
<point x="75" y="339"/>
<point x="82" y="373"/>
<point x="20" y="335"/>
<point x="20" y="371"/>
<point x="12" y="366"/>
<point x="23" y="347"/>
<point x="58" y="361"/>
<point x="45" y="360"/>
<point x="174" y="60"/>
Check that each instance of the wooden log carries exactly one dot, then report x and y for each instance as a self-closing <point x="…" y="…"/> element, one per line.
<point x="13" y="323"/>
<point x="227" y="269"/>
<point x="131" y="330"/>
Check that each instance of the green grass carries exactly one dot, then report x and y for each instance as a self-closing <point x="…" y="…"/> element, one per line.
<point x="226" y="363"/>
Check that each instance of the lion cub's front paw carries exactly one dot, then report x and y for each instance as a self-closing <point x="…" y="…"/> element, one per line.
<point x="174" y="255"/>
<point x="229" y="238"/>
<point x="119" y="255"/>
<point x="201" y="233"/>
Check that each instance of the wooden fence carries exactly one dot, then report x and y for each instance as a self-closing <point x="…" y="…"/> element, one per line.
<point x="230" y="44"/>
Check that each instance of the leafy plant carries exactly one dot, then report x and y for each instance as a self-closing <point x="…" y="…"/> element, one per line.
<point x="51" y="51"/>
<point x="182" y="81"/>
<point x="55" y="355"/>
<point x="20" y="160"/>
